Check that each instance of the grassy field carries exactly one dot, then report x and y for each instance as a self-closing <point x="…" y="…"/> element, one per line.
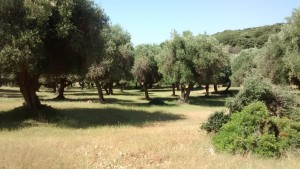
<point x="123" y="133"/>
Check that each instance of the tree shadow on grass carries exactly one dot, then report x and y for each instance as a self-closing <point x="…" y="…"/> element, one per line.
<point x="124" y="93"/>
<point x="83" y="118"/>
<point x="22" y="117"/>
<point x="123" y="102"/>
<point x="209" y="101"/>
<point x="71" y="100"/>
<point x="214" y="100"/>
<point x="229" y="93"/>
<point x="91" y="100"/>
<point x="93" y="92"/>
<point x="162" y="102"/>
<point x="81" y="94"/>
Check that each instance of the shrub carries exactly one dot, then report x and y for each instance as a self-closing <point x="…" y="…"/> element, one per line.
<point x="279" y="101"/>
<point x="215" y="121"/>
<point x="289" y="132"/>
<point x="253" y="130"/>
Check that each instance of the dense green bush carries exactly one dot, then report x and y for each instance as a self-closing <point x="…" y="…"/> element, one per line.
<point x="254" y="130"/>
<point x="215" y="121"/>
<point x="289" y="132"/>
<point x="245" y="132"/>
<point x="279" y="101"/>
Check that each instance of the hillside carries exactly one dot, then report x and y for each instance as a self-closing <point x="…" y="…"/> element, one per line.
<point x="249" y="37"/>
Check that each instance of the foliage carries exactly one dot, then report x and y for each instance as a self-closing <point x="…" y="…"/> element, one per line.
<point x="249" y="37"/>
<point x="186" y="59"/>
<point x="145" y="66"/>
<point x="55" y="37"/>
<point x="271" y="62"/>
<point x="173" y="62"/>
<point x="257" y="88"/>
<point x="21" y="35"/>
<point x="253" y="130"/>
<point x="215" y="121"/>
<point x="291" y="37"/>
<point x="115" y="63"/>
<point x="242" y="64"/>
<point x="279" y="58"/>
<point x="210" y="59"/>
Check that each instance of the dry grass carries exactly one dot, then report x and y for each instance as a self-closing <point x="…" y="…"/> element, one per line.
<point x="136" y="136"/>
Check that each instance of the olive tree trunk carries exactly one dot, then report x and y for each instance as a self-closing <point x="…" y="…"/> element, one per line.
<point x="100" y="93"/>
<point x="110" y="88"/>
<point x="106" y="89"/>
<point x="63" y="83"/>
<point x="207" y="90"/>
<point x="216" y="88"/>
<point x="185" y="92"/>
<point x="173" y="89"/>
<point x="82" y="84"/>
<point x="28" y="86"/>
<point x="178" y="86"/>
<point x="146" y="91"/>
<point x="229" y="85"/>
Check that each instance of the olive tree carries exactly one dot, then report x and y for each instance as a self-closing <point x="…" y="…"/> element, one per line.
<point x="291" y="37"/>
<point x="22" y="29"/>
<point x="176" y="65"/>
<point x="145" y="67"/>
<point x="116" y="61"/>
<point x="73" y="40"/>
<point x="211" y="60"/>
<point x="56" y="37"/>
<point x="279" y="59"/>
<point x="186" y="59"/>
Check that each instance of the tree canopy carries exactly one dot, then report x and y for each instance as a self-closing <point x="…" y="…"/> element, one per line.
<point x="187" y="59"/>
<point x="145" y="67"/>
<point x="56" y="37"/>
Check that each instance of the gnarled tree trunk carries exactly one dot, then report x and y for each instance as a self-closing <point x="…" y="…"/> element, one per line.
<point x="173" y="89"/>
<point x="185" y="92"/>
<point x="110" y="88"/>
<point x="142" y="86"/>
<point x="178" y="86"/>
<point x="216" y="88"/>
<point x="229" y="85"/>
<point x="106" y="89"/>
<point x="182" y="96"/>
<point x="207" y="90"/>
<point x="28" y="86"/>
<point x="81" y="85"/>
<point x="63" y="83"/>
<point x="100" y="93"/>
<point x="146" y="91"/>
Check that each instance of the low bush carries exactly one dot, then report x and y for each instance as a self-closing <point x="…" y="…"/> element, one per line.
<point x="253" y="130"/>
<point x="215" y="121"/>
<point x="279" y="101"/>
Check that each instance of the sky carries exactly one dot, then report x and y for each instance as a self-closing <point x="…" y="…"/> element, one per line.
<point x="152" y="21"/>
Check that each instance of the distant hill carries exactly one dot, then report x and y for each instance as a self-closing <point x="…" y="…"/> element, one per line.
<point x="249" y="37"/>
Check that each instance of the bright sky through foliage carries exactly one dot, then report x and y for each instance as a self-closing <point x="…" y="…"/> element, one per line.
<point x="151" y="21"/>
